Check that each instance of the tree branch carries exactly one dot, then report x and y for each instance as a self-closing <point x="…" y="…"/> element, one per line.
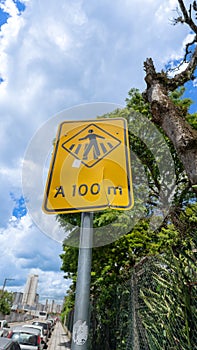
<point x="164" y="112"/>
<point x="187" y="17"/>
<point x="186" y="75"/>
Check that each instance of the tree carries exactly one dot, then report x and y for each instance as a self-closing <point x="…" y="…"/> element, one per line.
<point x="164" y="112"/>
<point x="6" y="300"/>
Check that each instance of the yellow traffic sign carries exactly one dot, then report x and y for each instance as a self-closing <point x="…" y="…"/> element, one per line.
<point x="90" y="168"/>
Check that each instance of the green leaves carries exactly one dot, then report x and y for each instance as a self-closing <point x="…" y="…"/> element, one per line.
<point x="136" y="102"/>
<point x="169" y="298"/>
<point x="6" y="300"/>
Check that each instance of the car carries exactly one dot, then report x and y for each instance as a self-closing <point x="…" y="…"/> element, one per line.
<point x="9" y="344"/>
<point x="44" y="325"/>
<point x="42" y="335"/>
<point x="42" y="315"/>
<point x="4" y="328"/>
<point x="28" y="338"/>
<point x="52" y="323"/>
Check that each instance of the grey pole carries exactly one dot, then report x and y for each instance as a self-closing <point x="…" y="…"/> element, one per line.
<point x="82" y="298"/>
<point x="4" y="284"/>
<point x="5" y="280"/>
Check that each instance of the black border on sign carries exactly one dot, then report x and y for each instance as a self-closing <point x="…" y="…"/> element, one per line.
<point x="88" y="208"/>
<point x="87" y="127"/>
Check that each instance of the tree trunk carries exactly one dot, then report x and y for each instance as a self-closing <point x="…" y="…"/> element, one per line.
<point x="169" y="118"/>
<point x="135" y="306"/>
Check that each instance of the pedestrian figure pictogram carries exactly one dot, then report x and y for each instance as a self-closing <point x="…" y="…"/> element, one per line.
<point x="91" y="144"/>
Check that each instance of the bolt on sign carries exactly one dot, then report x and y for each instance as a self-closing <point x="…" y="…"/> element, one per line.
<point x="90" y="168"/>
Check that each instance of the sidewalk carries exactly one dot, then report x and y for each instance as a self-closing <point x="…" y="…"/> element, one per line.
<point x="59" y="339"/>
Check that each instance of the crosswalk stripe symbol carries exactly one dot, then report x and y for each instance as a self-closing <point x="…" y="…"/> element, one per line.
<point x="103" y="148"/>
<point x="78" y="149"/>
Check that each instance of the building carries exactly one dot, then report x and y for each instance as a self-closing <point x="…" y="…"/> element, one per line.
<point x="18" y="297"/>
<point x="30" y="293"/>
<point x="37" y="299"/>
<point x="46" y="305"/>
<point x="17" y="300"/>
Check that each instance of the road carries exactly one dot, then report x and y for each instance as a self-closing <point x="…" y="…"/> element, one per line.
<point x="59" y="339"/>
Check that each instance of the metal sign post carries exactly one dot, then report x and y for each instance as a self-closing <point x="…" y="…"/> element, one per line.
<point x="82" y="298"/>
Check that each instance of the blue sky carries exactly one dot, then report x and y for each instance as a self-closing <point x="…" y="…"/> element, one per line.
<point x="56" y="55"/>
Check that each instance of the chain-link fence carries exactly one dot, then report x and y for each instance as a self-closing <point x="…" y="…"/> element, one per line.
<point x="163" y="304"/>
<point x="154" y="310"/>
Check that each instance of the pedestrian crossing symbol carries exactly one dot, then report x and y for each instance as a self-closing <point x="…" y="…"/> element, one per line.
<point x="91" y="144"/>
<point x="90" y="167"/>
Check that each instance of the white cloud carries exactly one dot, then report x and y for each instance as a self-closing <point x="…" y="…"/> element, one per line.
<point x="97" y="46"/>
<point x="10" y="179"/>
<point x="13" y="175"/>
<point x="10" y="7"/>
<point x="195" y="82"/>
<point x="180" y="53"/>
<point x="25" y="250"/>
<point x="56" y="286"/>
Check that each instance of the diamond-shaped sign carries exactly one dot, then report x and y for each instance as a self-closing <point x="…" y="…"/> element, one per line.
<point x="91" y="144"/>
<point x="90" y="168"/>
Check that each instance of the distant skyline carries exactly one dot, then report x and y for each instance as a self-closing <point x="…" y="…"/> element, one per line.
<point x="30" y="291"/>
<point x="54" y="56"/>
<point x="30" y="299"/>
